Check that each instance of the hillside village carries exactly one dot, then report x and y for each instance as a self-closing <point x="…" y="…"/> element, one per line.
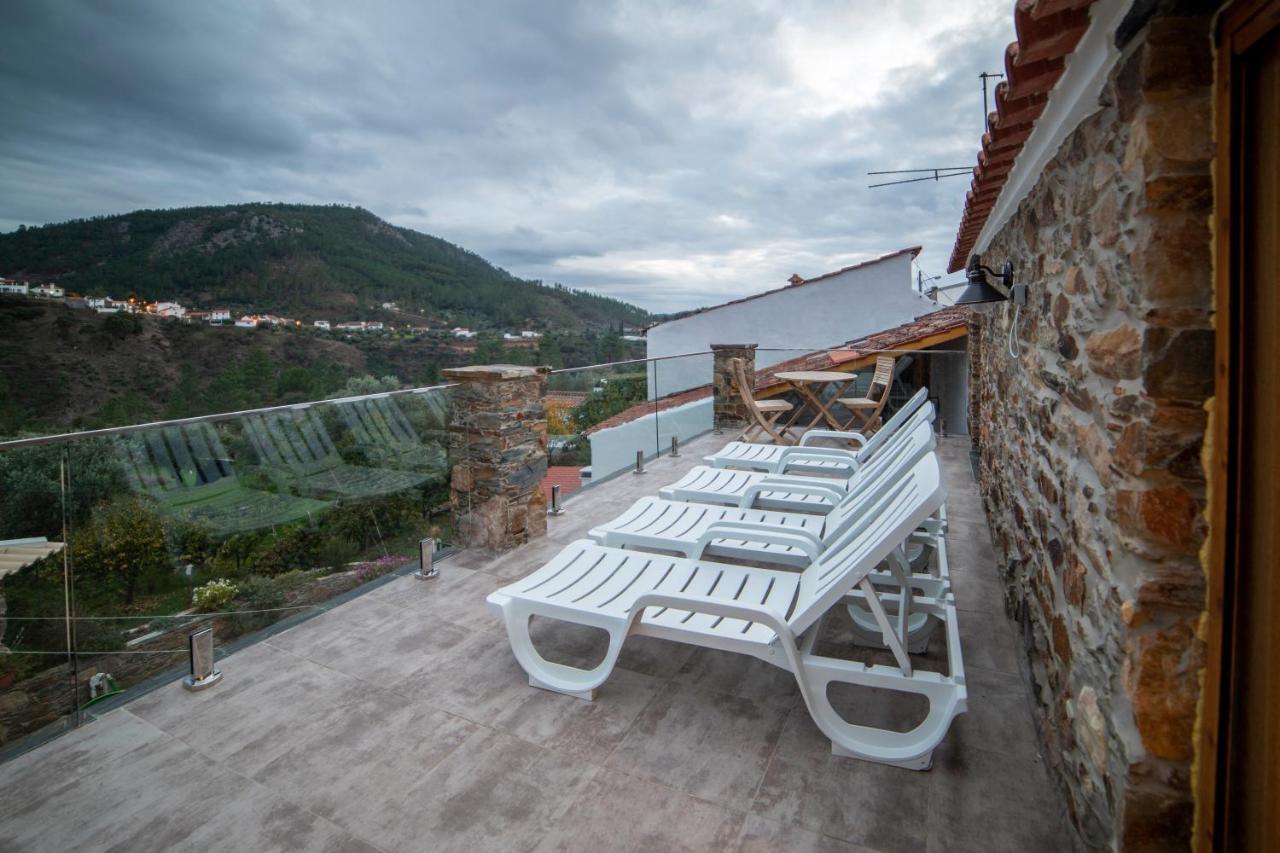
<point x="173" y="310"/>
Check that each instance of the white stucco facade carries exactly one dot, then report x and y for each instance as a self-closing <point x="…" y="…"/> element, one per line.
<point x="821" y="312"/>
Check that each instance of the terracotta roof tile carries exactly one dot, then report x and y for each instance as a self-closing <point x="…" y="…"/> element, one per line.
<point x="1048" y="31"/>
<point x="898" y="338"/>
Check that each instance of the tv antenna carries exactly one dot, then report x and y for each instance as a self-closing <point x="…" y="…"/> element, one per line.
<point x="986" y="113"/>
<point x="922" y="280"/>
<point x="935" y="174"/>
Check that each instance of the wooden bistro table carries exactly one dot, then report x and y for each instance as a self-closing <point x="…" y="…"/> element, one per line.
<point x="808" y="384"/>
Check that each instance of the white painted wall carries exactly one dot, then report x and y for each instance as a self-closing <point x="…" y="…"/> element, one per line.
<point x="614" y="449"/>
<point x="789" y="322"/>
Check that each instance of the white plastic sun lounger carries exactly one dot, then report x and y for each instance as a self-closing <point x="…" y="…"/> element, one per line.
<point x="790" y="492"/>
<point x="795" y="540"/>
<point x="771" y="615"/>
<point x="808" y="459"/>
<point x="694" y="529"/>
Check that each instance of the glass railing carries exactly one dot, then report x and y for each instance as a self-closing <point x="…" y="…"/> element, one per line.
<point x="117" y="544"/>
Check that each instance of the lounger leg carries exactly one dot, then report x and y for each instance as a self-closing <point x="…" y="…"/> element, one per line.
<point x="947" y="697"/>
<point x="558" y="677"/>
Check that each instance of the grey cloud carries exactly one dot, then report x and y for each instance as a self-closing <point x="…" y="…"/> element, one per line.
<point x="597" y="144"/>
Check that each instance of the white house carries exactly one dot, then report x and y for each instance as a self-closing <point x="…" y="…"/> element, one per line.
<point x="531" y="334"/>
<point x="168" y="310"/>
<point x="248" y="321"/>
<point x="218" y="316"/>
<point x="390" y="306"/>
<point x="806" y="315"/>
<point x="48" y="291"/>
<point x="463" y="333"/>
<point x="10" y="286"/>
<point x="321" y="324"/>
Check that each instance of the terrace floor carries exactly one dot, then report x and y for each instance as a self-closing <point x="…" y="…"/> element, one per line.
<point x="400" y="721"/>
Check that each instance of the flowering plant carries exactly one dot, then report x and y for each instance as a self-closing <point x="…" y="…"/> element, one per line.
<point x="371" y="569"/>
<point x="214" y="595"/>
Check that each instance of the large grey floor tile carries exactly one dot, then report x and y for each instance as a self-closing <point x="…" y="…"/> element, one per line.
<point x="457" y="595"/>
<point x="739" y="675"/>
<point x="712" y="745"/>
<point x="493" y="792"/>
<point x="371" y="639"/>
<point x="988" y="802"/>
<point x="874" y="805"/>
<point x="761" y="835"/>
<point x="169" y="797"/>
<point x="623" y="813"/>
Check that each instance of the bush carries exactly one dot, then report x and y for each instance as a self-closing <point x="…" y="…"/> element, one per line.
<point x="259" y="593"/>
<point x="215" y="595"/>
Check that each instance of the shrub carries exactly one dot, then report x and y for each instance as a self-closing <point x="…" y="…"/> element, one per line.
<point x="260" y="593"/>
<point x="215" y="595"/>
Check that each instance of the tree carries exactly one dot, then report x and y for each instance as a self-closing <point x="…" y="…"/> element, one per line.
<point x="124" y="543"/>
<point x="549" y="351"/>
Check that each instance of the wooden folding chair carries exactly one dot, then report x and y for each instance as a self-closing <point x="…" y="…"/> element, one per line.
<point x="764" y="413"/>
<point x="866" y="410"/>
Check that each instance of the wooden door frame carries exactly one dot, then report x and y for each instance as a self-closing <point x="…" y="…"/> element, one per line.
<point x="1239" y="26"/>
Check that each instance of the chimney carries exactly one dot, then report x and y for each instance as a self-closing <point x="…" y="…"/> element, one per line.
<point x="795" y="279"/>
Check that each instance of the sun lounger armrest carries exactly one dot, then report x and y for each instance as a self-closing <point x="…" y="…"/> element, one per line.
<point x="782" y="484"/>
<point x="754" y="531"/>
<point x="729" y="610"/>
<point x="795" y="455"/>
<point x="842" y="435"/>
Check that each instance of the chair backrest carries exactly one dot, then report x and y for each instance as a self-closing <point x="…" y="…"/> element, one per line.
<point x="875" y="478"/>
<point x="883" y="376"/>
<point x="884" y="525"/>
<point x="738" y="370"/>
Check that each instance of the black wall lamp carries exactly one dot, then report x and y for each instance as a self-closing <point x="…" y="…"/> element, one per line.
<point x="981" y="291"/>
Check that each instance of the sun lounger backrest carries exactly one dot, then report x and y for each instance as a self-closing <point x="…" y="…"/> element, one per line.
<point x="878" y="475"/>
<point x="915" y="409"/>
<point x="857" y="551"/>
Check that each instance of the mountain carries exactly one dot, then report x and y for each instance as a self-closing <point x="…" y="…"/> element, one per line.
<point x="306" y="261"/>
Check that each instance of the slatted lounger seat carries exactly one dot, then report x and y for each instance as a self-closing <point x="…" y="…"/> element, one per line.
<point x="795" y="540"/>
<point x="772" y="615"/>
<point x="807" y="458"/>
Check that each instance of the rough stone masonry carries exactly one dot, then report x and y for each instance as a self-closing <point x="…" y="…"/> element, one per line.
<point x="498" y="454"/>
<point x="1090" y="437"/>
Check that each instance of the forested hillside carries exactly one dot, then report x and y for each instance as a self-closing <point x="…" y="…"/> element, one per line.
<point x="299" y="260"/>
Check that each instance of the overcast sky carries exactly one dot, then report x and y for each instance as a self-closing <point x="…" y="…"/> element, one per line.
<point x="671" y="154"/>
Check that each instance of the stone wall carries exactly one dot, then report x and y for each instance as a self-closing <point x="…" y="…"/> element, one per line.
<point x="498" y="454"/>
<point x="1090" y="437"/>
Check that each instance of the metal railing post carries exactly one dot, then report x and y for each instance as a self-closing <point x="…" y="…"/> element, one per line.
<point x="639" y="462"/>
<point x="555" y="500"/>
<point x="427" y="560"/>
<point x="675" y="446"/>
<point x="203" y="675"/>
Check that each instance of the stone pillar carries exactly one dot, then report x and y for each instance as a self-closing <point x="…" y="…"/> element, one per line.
<point x="730" y="413"/>
<point x="498" y="454"/>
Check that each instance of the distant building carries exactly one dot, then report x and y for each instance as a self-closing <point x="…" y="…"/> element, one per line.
<point x="804" y="315"/>
<point x="527" y="334"/>
<point x="390" y="306"/>
<point x="357" y="326"/>
<point x="218" y="316"/>
<point x="373" y="326"/>
<point x="167" y="310"/>
<point x="48" y="291"/>
<point x="13" y="287"/>
<point x="321" y="324"/>
<point x="248" y="321"/>
<point x="463" y="333"/>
